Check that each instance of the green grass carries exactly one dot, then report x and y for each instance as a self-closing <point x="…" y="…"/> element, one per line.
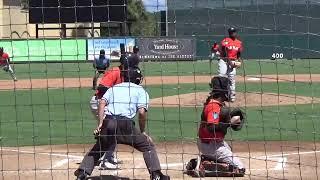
<point x="250" y="67"/>
<point x="298" y="88"/>
<point x="60" y="116"/>
<point x="181" y="68"/>
<point x="269" y="123"/>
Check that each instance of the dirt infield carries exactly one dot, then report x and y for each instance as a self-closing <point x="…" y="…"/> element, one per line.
<point x="247" y="99"/>
<point x="152" y="80"/>
<point x="263" y="160"/>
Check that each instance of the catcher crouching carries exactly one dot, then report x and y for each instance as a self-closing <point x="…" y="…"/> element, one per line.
<point x="216" y="157"/>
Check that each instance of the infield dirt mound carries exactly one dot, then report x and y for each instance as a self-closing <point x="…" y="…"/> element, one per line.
<point x="248" y="99"/>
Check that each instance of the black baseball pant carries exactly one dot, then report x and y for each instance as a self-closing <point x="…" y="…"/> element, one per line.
<point x="120" y="130"/>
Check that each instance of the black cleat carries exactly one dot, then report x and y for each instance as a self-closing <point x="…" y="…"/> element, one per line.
<point x="157" y="175"/>
<point x="81" y="174"/>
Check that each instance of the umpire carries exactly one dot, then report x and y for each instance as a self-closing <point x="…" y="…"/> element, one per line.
<point x="119" y="105"/>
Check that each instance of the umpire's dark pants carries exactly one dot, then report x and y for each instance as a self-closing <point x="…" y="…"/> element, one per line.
<point x="120" y="130"/>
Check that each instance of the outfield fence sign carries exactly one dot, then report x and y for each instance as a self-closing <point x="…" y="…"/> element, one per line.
<point x="111" y="47"/>
<point x="166" y="48"/>
<point x="45" y="50"/>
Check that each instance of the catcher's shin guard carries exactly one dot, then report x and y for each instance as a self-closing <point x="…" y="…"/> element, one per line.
<point x="202" y="167"/>
<point x="194" y="167"/>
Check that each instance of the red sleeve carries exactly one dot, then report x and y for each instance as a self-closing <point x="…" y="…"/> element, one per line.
<point x="224" y="42"/>
<point x="5" y="56"/>
<point x="109" y="79"/>
<point x="213" y="113"/>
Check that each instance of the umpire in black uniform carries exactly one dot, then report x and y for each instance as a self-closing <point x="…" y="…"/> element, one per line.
<point x="119" y="105"/>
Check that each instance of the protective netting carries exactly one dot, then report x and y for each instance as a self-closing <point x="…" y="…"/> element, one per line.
<point x="46" y="124"/>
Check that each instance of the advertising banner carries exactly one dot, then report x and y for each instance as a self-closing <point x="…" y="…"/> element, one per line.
<point x="166" y="48"/>
<point x="111" y="47"/>
<point x="45" y="50"/>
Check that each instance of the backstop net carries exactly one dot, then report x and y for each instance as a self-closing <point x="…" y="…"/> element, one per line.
<point x="48" y="115"/>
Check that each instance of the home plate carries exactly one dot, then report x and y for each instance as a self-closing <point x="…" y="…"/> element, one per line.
<point x="253" y="79"/>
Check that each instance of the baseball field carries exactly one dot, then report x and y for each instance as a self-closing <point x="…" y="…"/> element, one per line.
<point x="46" y="125"/>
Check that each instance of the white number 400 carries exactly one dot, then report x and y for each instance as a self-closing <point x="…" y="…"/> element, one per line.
<point x="277" y="55"/>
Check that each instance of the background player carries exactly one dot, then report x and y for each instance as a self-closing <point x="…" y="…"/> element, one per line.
<point x="117" y="109"/>
<point x="215" y="51"/>
<point x="5" y="64"/>
<point x="231" y="49"/>
<point x="100" y="64"/>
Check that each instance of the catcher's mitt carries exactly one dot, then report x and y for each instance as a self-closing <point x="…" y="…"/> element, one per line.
<point x="238" y="112"/>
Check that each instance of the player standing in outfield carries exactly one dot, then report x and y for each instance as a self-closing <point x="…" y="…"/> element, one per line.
<point x="215" y="51"/>
<point x="100" y="64"/>
<point x="112" y="77"/>
<point x="217" y="158"/>
<point x="117" y="109"/>
<point x="5" y="64"/>
<point x="231" y="49"/>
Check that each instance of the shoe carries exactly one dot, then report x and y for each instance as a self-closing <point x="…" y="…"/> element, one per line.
<point x="115" y="161"/>
<point x="108" y="166"/>
<point x="157" y="175"/>
<point x="80" y="174"/>
<point x="15" y="79"/>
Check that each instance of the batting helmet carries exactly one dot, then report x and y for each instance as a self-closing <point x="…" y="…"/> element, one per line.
<point x="135" y="49"/>
<point x="129" y="61"/>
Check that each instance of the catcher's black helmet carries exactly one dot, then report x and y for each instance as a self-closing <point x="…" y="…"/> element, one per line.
<point x="133" y="75"/>
<point x="1" y="49"/>
<point x="232" y="30"/>
<point x="220" y="87"/>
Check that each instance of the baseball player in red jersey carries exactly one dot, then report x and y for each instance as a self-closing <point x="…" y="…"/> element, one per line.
<point x="5" y="64"/>
<point x="215" y="121"/>
<point x="231" y="49"/>
<point x="215" y="51"/>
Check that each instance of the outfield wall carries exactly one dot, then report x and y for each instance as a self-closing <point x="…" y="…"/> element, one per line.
<point x="263" y="46"/>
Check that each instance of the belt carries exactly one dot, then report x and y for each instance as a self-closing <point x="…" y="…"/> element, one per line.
<point x="117" y="117"/>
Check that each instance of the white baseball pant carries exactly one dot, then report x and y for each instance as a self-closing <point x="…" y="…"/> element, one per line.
<point x="224" y="69"/>
<point x="9" y="69"/>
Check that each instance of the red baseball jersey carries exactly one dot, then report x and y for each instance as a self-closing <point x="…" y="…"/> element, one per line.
<point x="211" y="115"/>
<point x="232" y="48"/>
<point x="110" y="78"/>
<point x="4" y="58"/>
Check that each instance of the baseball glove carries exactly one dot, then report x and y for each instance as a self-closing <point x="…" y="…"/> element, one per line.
<point x="6" y="68"/>
<point x="238" y="112"/>
<point x="235" y="64"/>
